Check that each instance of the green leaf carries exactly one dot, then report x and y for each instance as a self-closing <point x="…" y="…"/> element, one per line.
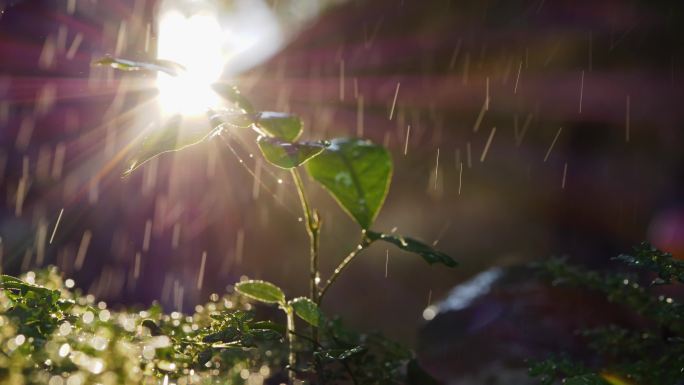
<point x="65" y="304"/>
<point x="357" y="173"/>
<point x="166" y="66"/>
<point x="9" y="282"/>
<point x="155" y="330"/>
<point x="232" y="94"/>
<point x="429" y="254"/>
<point x="204" y="356"/>
<point x="586" y="379"/>
<point x="261" y="335"/>
<point x="307" y="310"/>
<point x="170" y="137"/>
<point x="229" y="334"/>
<point x="646" y="256"/>
<point x="280" y="329"/>
<point x="229" y="118"/>
<point x="261" y="291"/>
<point x="287" y="154"/>
<point x="280" y="125"/>
<point x="339" y="354"/>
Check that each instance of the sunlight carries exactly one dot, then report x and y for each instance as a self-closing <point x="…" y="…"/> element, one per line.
<point x="195" y="43"/>
<point x="210" y="43"/>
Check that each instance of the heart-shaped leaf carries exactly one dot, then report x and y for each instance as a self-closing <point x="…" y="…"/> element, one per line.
<point x="287" y="154"/>
<point x="357" y="173"/>
<point x="261" y="291"/>
<point x="429" y="254"/>
<point x="307" y="310"/>
<point x="232" y="94"/>
<point x="172" y="136"/>
<point x="166" y="66"/>
<point x="280" y="125"/>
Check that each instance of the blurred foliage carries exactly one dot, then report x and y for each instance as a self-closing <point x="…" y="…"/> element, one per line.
<point x="662" y="263"/>
<point x="651" y="353"/>
<point x="50" y="334"/>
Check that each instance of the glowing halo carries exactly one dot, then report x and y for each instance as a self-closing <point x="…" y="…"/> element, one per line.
<point x="194" y="42"/>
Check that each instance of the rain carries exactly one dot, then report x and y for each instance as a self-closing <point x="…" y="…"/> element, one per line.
<point x="517" y="131"/>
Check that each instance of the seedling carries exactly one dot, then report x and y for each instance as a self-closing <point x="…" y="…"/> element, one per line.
<point x="356" y="172"/>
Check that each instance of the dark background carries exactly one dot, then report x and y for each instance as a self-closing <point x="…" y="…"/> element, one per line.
<point x="621" y="185"/>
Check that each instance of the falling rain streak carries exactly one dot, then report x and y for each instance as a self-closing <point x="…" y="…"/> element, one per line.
<point x="394" y="101"/>
<point x="489" y="143"/>
<point x="200" y="277"/>
<point x="406" y="141"/>
<point x="555" y="138"/>
<point x="54" y="230"/>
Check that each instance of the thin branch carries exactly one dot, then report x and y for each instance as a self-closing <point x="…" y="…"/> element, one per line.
<point x="365" y="242"/>
<point x="313" y="229"/>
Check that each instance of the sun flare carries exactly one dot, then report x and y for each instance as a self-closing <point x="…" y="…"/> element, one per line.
<point x="195" y="43"/>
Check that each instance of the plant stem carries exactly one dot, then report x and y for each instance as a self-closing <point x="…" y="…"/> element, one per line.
<point x="365" y="242"/>
<point x="292" y="356"/>
<point x="313" y="227"/>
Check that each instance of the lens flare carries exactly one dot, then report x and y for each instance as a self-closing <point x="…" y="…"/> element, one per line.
<point x="195" y="43"/>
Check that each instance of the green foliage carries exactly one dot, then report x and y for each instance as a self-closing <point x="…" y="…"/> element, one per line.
<point x="357" y="173"/>
<point x="429" y="254"/>
<point x="338" y="354"/>
<point x="215" y="345"/>
<point x="261" y="291"/>
<point x="619" y="288"/>
<point x="39" y="309"/>
<point x="651" y="354"/>
<point x="364" y="359"/>
<point x="168" y="138"/>
<point x="280" y="125"/>
<point x="287" y="154"/>
<point x="52" y="335"/>
<point x="548" y="370"/>
<point x="648" y="257"/>
<point x="307" y="310"/>
<point x="229" y="118"/>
